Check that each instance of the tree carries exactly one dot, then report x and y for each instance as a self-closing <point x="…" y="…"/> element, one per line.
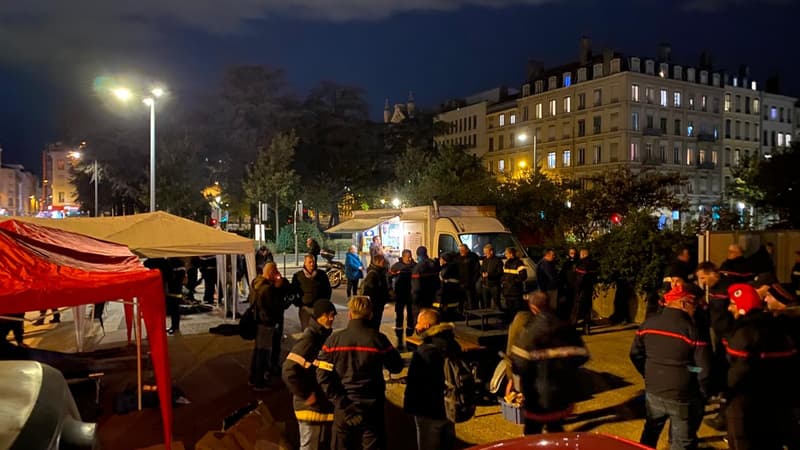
<point x="618" y="192"/>
<point x="271" y="178"/>
<point x="532" y="205"/>
<point x="447" y="175"/>
<point x="773" y="185"/>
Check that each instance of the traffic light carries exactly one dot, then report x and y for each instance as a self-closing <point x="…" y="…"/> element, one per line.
<point x="616" y="218"/>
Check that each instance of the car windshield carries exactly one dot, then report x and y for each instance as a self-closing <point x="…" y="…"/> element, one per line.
<point x="500" y="241"/>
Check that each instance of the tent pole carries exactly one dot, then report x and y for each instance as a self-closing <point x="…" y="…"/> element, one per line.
<point x="138" y="325"/>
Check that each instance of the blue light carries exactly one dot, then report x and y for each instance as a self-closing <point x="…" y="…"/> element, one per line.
<point x="689" y="130"/>
<point x="676" y="215"/>
<point x="662" y="222"/>
<point x="567" y="80"/>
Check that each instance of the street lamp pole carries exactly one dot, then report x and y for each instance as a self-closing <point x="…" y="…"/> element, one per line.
<point x="151" y="102"/>
<point x="96" y="182"/>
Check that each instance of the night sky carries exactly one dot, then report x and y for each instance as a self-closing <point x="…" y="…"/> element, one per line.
<point x="52" y="50"/>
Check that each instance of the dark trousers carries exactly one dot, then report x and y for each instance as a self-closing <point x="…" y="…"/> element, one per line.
<point x="435" y="433"/>
<point x="514" y="304"/>
<point x="352" y="287"/>
<point x="174" y="311"/>
<point x="275" y="355"/>
<point x="369" y="435"/>
<point x="403" y="311"/>
<point x="209" y="283"/>
<point x="259" y="364"/>
<point x="377" y="315"/>
<point x="470" y="297"/>
<point x="762" y="424"/>
<point x="491" y="297"/>
<point x="535" y="427"/>
<point x="191" y="274"/>
<point x="582" y="308"/>
<point x="684" y="421"/>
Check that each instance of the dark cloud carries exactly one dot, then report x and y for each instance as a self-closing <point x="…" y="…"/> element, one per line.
<point x="712" y="6"/>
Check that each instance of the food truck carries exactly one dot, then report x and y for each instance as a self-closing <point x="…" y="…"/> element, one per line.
<point x="439" y="228"/>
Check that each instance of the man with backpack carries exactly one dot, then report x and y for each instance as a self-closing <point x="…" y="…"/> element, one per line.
<point x="425" y="384"/>
<point x="546" y="355"/>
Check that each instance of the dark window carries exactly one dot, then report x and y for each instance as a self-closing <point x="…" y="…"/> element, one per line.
<point x="581" y="156"/>
<point x="581" y="127"/>
<point x="664" y="125"/>
<point x="649" y="121"/>
<point x="597" y="124"/>
<point x="491" y="144"/>
<point x="677" y="130"/>
<point x="447" y="244"/>
<point x="581" y="101"/>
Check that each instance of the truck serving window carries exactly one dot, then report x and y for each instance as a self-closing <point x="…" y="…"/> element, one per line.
<point x="500" y="241"/>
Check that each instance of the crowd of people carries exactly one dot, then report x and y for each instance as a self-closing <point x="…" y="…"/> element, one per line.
<point x="723" y="334"/>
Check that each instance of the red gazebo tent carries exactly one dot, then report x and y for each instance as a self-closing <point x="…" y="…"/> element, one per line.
<point x="42" y="268"/>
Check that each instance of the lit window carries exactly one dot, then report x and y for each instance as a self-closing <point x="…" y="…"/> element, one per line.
<point x="598" y="97"/>
<point x="663" y="98"/>
<point x="753" y="85"/>
<point x="704" y="103"/>
<point x="691" y="103"/>
<point x="502" y="119"/>
<point x="567" y="80"/>
<point x="501" y="165"/>
<point x="512" y="119"/>
<point x="634" y="152"/>
<point x="552" y="107"/>
<point x="635" y="92"/>
<point x="735" y="82"/>
<point x="788" y="138"/>
<point x="727" y="102"/>
<point x="676" y="99"/>
<point x="567" y="104"/>
<point x="755" y="105"/>
<point x="780" y="139"/>
<point x="538" y="110"/>
<point x="551" y="160"/>
<point x="689" y="156"/>
<point x="635" y="121"/>
<point x="714" y="157"/>
<point x="773" y="113"/>
<point x="567" y="158"/>
<point x="690" y="129"/>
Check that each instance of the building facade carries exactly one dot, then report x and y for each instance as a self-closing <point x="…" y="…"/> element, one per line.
<point x="778" y="126"/>
<point x="18" y="190"/>
<point x="58" y="191"/>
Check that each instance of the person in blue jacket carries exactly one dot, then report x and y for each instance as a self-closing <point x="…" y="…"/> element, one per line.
<point x="353" y="270"/>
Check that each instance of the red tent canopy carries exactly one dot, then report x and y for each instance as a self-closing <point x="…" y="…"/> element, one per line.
<point x="43" y="268"/>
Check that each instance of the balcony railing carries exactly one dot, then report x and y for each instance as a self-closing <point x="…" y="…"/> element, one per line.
<point x="652" y="131"/>
<point x="706" y="137"/>
<point x="706" y="165"/>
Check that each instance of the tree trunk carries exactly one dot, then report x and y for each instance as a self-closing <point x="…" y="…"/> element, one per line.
<point x="277" y="228"/>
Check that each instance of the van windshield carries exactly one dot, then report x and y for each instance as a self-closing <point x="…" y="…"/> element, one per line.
<point x="500" y="241"/>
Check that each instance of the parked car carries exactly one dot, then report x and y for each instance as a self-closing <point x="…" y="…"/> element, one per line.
<point x="565" y="441"/>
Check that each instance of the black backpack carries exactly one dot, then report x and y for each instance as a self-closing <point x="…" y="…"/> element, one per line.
<point x="460" y="390"/>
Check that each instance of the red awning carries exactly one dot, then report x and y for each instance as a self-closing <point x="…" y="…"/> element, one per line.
<point x="42" y="268"/>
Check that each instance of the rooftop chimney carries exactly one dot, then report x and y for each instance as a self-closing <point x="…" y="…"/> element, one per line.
<point x="586" y="51"/>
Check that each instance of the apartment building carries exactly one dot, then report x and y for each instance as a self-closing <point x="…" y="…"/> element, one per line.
<point x="610" y="110"/>
<point x="58" y="192"/>
<point x="18" y="190"/>
<point x="779" y="128"/>
<point x="465" y="120"/>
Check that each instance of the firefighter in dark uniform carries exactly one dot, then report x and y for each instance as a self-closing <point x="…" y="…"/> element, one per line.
<point x="762" y="380"/>
<point x="586" y="271"/>
<point x="313" y="410"/>
<point x="350" y="372"/>
<point x="736" y="267"/>
<point x="715" y="287"/>
<point x="400" y="276"/>
<point x="546" y="355"/>
<point x="675" y="361"/>
<point x="450" y="295"/>
<point x="424" y="281"/>
<point x="513" y="283"/>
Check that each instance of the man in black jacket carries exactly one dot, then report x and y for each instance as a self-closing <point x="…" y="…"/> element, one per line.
<point x="313" y="248"/>
<point x="736" y="267"/>
<point x="267" y="293"/>
<point x="586" y="272"/>
<point x="424" y="396"/>
<point x="310" y="285"/>
<point x="424" y="280"/>
<point x="351" y="375"/>
<point x="312" y="408"/>
<point x="547" y="277"/>
<point x="674" y="359"/>
<point x="764" y="398"/>
<point x="400" y="273"/>
<point x="469" y="269"/>
<point x="376" y="287"/>
<point x="566" y="279"/>
<point x="491" y="274"/>
<point x="546" y="355"/>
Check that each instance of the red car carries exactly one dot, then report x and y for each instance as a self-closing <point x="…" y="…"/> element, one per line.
<point x="565" y="441"/>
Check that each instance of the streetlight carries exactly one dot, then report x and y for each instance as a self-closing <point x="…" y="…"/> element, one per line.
<point x="522" y="139"/>
<point x="396" y="202"/>
<point x="125" y="94"/>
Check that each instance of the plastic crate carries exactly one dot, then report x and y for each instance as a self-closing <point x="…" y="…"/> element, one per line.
<point x="511" y="412"/>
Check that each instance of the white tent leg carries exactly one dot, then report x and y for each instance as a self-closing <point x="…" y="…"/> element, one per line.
<point x="138" y="324"/>
<point x="234" y="287"/>
<point x="78" y="320"/>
